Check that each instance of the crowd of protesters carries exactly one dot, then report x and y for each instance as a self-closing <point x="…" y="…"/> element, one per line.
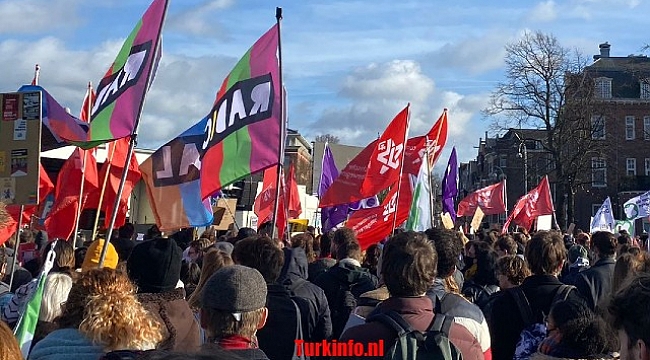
<point x="245" y="295"/>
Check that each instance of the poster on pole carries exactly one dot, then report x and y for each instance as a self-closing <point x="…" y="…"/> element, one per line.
<point x="476" y="220"/>
<point x="20" y="147"/>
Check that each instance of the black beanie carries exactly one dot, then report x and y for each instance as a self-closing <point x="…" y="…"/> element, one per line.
<point x="155" y="265"/>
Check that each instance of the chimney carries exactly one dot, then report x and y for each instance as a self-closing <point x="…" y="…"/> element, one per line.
<point x="604" y="50"/>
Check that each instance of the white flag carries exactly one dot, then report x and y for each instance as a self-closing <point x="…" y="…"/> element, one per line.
<point x="420" y="213"/>
<point x="637" y="207"/>
<point x="604" y="219"/>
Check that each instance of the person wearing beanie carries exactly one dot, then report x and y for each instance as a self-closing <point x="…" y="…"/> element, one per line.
<point x="233" y="308"/>
<point x="155" y="268"/>
<point x="94" y="254"/>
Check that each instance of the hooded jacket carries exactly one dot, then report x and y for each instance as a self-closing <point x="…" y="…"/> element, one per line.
<point x="64" y="344"/>
<point x="171" y="309"/>
<point x="344" y="276"/>
<point x="317" y="323"/>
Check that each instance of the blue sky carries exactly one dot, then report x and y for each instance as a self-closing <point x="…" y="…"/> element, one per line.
<point x="349" y="66"/>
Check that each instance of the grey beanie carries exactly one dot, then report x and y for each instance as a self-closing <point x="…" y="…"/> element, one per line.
<point x="235" y="289"/>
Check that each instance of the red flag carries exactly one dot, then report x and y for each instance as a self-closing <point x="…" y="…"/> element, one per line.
<point x="45" y="187"/>
<point x="416" y="147"/>
<point x="62" y="217"/>
<point x="265" y="201"/>
<point x="374" y="224"/>
<point x="8" y="229"/>
<point x="89" y="101"/>
<point x="117" y="153"/>
<point x="37" y="72"/>
<point x="536" y="203"/>
<point x="376" y="168"/>
<point x="491" y="199"/>
<point x="295" y="209"/>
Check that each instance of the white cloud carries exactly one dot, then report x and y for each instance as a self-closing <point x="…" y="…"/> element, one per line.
<point x="474" y="54"/>
<point x="200" y="20"/>
<point x="34" y="16"/>
<point x="545" y="11"/>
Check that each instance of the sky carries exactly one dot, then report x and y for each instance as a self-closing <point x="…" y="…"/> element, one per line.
<point x="349" y="66"/>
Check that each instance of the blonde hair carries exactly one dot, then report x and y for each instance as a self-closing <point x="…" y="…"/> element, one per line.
<point x="112" y="316"/>
<point x="55" y="293"/>
<point x="9" y="349"/>
<point x="213" y="260"/>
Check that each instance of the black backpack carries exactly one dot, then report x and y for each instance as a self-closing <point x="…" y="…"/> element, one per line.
<point x="412" y="344"/>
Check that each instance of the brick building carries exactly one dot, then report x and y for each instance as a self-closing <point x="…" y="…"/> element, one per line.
<point x="620" y="168"/>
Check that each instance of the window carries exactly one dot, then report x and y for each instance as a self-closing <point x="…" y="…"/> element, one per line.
<point x="631" y="166"/>
<point x="646" y="128"/>
<point x="647" y="166"/>
<point x="603" y="88"/>
<point x="595" y="208"/>
<point x="598" y="127"/>
<point x="503" y="161"/>
<point x="598" y="172"/>
<point x="629" y="128"/>
<point x="645" y="89"/>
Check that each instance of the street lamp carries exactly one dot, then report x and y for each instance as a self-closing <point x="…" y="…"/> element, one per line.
<point x="523" y="153"/>
<point x="500" y="175"/>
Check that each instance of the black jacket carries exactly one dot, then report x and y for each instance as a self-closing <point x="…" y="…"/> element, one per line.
<point x="358" y="280"/>
<point x="319" y="267"/>
<point x="294" y="279"/>
<point x="277" y="337"/>
<point x="477" y="293"/>
<point x="595" y="283"/>
<point x="506" y="323"/>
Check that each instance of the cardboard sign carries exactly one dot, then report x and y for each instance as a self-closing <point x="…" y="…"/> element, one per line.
<point x="544" y="222"/>
<point x="447" y="222"/>
<point x="476" y="220"/>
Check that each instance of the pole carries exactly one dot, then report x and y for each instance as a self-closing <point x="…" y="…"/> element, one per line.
<point x="132" y="143"/>
<point x="283" y="128"/>
<point x="525" y="167"/>
<point x="17" y="247"/>
<point x="101" y="194"/>
<point x="83" y="176"/>
<point x="401" y="169"/>
<point x="426" y="147"/>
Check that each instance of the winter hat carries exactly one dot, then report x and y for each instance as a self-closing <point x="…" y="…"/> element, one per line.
<point x="235" y="289"/>
<point x="155" y="265"/>
<point x="224" y="246"/>
<point x="577" y="251"/>
<point x="94" y="253"/>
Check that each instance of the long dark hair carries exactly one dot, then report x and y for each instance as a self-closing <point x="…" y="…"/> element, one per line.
<point x="486" y="264"/>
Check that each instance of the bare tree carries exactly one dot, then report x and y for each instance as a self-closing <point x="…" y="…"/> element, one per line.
<point x="328" y="138"/>
<point x="546" y="87"/>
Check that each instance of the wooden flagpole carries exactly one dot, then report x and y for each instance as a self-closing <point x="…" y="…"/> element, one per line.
<point x="83" y="173"/>
<point x="283" y="129"/>
<point x="401" y="169"/>
<point x="133" y="141"/>
<point x="111" y="152"/>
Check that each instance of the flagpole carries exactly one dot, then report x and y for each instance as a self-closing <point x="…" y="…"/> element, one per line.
<point x="401" y="169"/>
<point x="133" y="141"/>
<point x="550" y="196"/>
<point x="83" y="175"/>
<point x="17" y="247"/>
<point x="505" y="196"/>
<point x="283" y="128"/>
<point x="109" y="158"/>
<point x="426" y="147"/>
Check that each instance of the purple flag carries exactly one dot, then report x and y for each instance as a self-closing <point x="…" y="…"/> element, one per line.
<point x="450" y="186"/>
<point x="330" y="216"/>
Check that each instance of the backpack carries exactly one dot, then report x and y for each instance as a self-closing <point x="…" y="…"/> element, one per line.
<point x="533" y="333"/>
<point x="412" y="344"/>
<point x="344" y="304"/>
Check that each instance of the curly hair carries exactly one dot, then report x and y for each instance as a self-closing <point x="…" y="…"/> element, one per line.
<point x="213" y="260"/>
<point x="103" y="305"/>
<point x="306" y="242"/>
<point x="514" y="268"/>
<point x="9" y="349"/>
